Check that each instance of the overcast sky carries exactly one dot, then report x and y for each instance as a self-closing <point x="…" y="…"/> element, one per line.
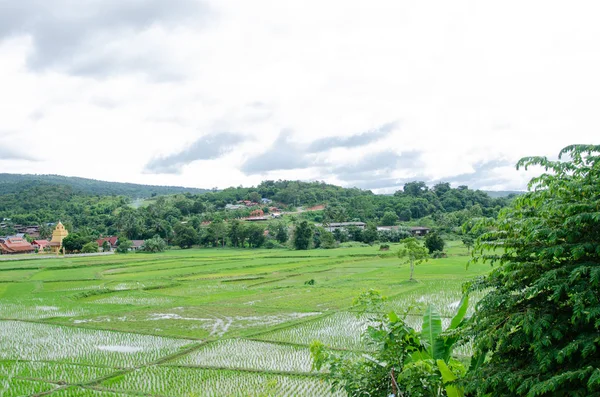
<point x="219" y="93"/>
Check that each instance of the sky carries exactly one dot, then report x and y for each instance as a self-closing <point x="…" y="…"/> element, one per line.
<point x="370" y="94"/>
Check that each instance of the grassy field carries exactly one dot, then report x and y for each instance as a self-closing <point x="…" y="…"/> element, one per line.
<point x="199" y="322"/>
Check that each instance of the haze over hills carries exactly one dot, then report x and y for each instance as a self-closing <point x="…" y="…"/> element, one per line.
<point x="10" y="183"/>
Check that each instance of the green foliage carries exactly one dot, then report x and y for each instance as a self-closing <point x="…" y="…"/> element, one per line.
<point x="15" y="182"/>
<point x="155" y="244"/>
<point x="537" y="330"/>
<point x="237" y="233"/>
<point x="281" y="232"/>
<point x="389" y="219"/>
<point x="124" y="246"/>
<point x="89" y="248"/>
<point x="256" y="235"/>
<point x="327" y="240"/>
<point x="303" y="234"/>
<point x="434" y="242"/>
<point x="370" y="233"/>
<point x="413" y="253"/>
<point x="105" y="246"/>
<point x="185" y="236"/>
<point x="402" y="361"/>
<point x="75" y="242"/>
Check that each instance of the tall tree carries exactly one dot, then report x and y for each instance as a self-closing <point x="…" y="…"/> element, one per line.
<point x="256" y="235"/>
<point x="185" y="236"/>
<point x="303" y="236"/>
<point x="537" y="330"/>
<point x="236" y="233"/>
<point x="413" y="253"/>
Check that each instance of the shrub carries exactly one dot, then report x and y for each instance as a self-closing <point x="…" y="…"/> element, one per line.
<point x="438" y="254"/>
<point x="90" y="248"/>
<point x="434" y="242"/>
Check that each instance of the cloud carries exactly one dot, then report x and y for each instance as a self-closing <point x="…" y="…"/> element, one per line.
<point x="78" y="37"/>
<point x="7" y="153"/>
<point x="209" y="147"/>
<point x="282" y="155"/>
<point x="484" y="175"/>
<point x="287" y="155"/>
<point x="325" y="144"/>
<point x="376" y="166"/>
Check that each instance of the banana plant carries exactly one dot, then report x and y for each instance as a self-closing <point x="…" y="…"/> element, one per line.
<point x="438" y="346"/>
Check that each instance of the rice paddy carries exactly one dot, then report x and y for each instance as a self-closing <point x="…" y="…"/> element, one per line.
<point x="204" y="322"/>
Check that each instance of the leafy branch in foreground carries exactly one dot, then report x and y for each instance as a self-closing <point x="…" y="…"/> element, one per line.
<point x="401" y="360"/>
<point x="537" y="332"/>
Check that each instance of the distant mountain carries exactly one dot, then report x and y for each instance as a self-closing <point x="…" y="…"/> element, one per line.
<point x="11" y="183"/>
<point x="503" y="193"/>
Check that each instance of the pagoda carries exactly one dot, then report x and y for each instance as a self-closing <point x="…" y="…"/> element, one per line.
<point x="58" y="236"/>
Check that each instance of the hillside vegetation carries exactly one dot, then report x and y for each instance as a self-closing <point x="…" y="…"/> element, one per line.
<point x="14" y="183"/>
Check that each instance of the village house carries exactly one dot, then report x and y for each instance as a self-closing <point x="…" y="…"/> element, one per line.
<point x="31" y="231"/>
<point x="137" y="245"/>
<point x="341" y="225"/>
<point x="40" y="245"/>
<point x="15" y="245"/>
<point x="419" y="230"/>
<point x="415" y="230"/>
<point x="112" y="241"/>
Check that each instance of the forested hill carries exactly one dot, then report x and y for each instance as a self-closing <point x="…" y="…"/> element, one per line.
<point x="15" y="183"/>
<point x="107" y="208"/>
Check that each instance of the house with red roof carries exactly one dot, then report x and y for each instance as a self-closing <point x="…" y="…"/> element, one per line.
<point x="15" y="245"/>
<point x="40" y="244"/>
<point x="113" y="241"/>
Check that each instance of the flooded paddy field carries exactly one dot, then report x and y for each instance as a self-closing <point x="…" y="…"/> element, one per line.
<point x="201" y="321"/>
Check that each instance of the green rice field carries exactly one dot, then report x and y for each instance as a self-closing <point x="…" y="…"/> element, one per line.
<point x="200" y="322"/>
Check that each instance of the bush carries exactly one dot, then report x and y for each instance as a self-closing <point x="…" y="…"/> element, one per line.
<point x="272" y="244"/>
<point x="327" y="240"/>
<point x="155" y="244"/>
<point x="438" y="254"/>
<point x="384" y="247"/>
<point x="434" y="242"/>
<point x="90" y="248"/>
<point x="124" y="246"/>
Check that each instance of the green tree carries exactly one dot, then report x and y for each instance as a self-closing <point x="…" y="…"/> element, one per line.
<point x="303" y="235"/>
<point x="536" y="332"/>
<point x="468" y="241"/>
<point x="255" y="197"/>
<point x="256" y="235"/>
<point x="370" y="234"/>
<point x="89" y="248"/>
<point x="405" y="214"/>
<point x="434" y="242"/>
<point x="389" y="219"/>
<point x="327" y="239"/>
<point x="105" y="246"/>
<point x="185" y="236"/>
<point x="281" y="233"/>
<point x="124" y="245"/>
<point x="217" y="231"/>
<point x="74" y="243"/>
<point x="155" y="244"/>
<point x="413" y="253"/>
<point x="236" y="233"/>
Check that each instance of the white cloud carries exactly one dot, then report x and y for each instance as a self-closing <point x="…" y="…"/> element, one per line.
<point x="471" y="82"/>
